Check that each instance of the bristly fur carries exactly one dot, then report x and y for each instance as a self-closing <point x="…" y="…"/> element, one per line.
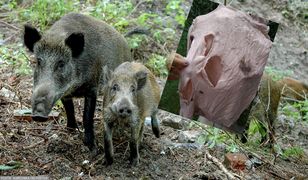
<point x="70" y="60"/>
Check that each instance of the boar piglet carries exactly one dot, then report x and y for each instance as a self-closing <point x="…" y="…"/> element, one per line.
<point x="131" y="95"/>
<point x="70" y="57"/>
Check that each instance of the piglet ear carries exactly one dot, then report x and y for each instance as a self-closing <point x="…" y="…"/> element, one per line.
<point x="106" y="75"/>
<point x="76" y="43"/>
<point x="31" y="36"/>
<point x="141" y="77"/>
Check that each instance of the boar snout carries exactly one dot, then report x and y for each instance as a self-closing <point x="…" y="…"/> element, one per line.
<point x="123" y="108"/>
<point x="42" y="101"/>
<point x="39" y="113"/>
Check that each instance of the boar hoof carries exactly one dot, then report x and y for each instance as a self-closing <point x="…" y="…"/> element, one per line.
<point x="93" y="153"/>
<point x="134" y="162"/>
<point x="108" y="161"/>
<point x="72" y="126"/>
<point x="40" y="118"/>
<point x="89" y="143"/>
<point x="71" y="129"/>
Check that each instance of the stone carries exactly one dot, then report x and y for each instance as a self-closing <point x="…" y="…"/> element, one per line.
<point x="235" y="161"/>
<point x="189" y="136"/>
<point x="175" y="123"/>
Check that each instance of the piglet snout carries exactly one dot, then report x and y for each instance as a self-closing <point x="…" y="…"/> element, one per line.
<point x="123" y="108"/>
<point x="125" y="112"/>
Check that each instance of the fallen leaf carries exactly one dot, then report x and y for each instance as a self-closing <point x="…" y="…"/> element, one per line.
<point x="10" y="165"/>
<point x="13" y="80"/>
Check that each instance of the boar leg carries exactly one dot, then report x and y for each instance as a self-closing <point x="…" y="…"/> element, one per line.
<point x="88" y="114"/>
<point x="141" y="134"/>
<point x="70" y="113"/>
<point x="155" y="124"/>
<point x="270" y="131"/>
<point x="134" y="143"/>
<point x="108" y="146"/>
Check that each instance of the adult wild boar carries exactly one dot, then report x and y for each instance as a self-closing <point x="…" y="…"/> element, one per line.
<point x="70" y="57"/>
<point x="131" y="95"/>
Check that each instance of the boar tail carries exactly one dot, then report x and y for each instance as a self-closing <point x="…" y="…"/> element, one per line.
<point x="137" y="31"/>
<point x="155" y="125"/>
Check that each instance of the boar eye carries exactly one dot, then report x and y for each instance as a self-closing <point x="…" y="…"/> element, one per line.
<point x="61" y="64"/>
<point x="133" y="89"/>
<point x="39" y="61"/>
<point x="115" y="87"/>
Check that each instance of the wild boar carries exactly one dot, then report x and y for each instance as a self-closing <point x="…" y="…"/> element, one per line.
<point x="70" y="57"/>
<point x="264" y="109"/>
<point x="294" y="89"/>
<point x="131" y="95"/>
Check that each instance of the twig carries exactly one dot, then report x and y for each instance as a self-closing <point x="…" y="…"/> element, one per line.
<point x="54" y="128"/>
<point x="9" y="38"/>
<point x="268" y="95"/>
<point x="10" y="25"/>
<point x="301" y="95"/>
<point x="5" y="142"/>
<point x="135" y="8"/>
<point x="89" y="174"/>
<point x="33" y="145"/>
<point x="38" y="135"/>
<point x="291" y="99"/>
<point x="31" y="61"/>
<point x="4" y="15"/>
<point x="230" y="2"/>
<point x="120" y="144"/>
<point x="126" y="150"/>
<point x="242" y="148"/>
<point x="277" y="175"/>
<point x="159" y="45"/>
<point x="220" y="165"/>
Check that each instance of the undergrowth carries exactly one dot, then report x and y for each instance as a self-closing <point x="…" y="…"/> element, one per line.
<point x="213" y="137"/>
<point x="122" y="15"/>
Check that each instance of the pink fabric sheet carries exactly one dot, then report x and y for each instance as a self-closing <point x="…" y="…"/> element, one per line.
<point x="227" y="53"/>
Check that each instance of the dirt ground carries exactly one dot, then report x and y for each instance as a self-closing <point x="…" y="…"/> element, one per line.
<point x="49" y="149"/>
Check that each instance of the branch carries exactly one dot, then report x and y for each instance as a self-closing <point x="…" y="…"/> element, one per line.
<point x="221" y="166"/>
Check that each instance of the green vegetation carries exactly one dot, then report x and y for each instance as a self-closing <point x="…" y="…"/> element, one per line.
<point x="256" y="130"/>
<point x="277" y="74"/>
<point x="45" y="12"/>
<point x="293" y="152"/>
<point x="174" y="9"/>
<point x="291" y="112"/>
<point x="10" y="165"/>
<point x="303" y="109"/>
<point x="123" y="15"/>
<point x="297" y="111"/>
<point x="157" y="64"/>
<point x="297" y="9"/>
<point x="15" y="56"/>
<point x="213" y="137"/>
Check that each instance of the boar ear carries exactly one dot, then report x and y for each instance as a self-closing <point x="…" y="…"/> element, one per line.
<point x="31" y="36"/>
<point x="141" y="77"/>
<point x="76" y="43"/>
<point x="106" y="75"/>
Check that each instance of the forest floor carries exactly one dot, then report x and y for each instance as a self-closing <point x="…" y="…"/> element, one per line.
<point x="49" y="149"/>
